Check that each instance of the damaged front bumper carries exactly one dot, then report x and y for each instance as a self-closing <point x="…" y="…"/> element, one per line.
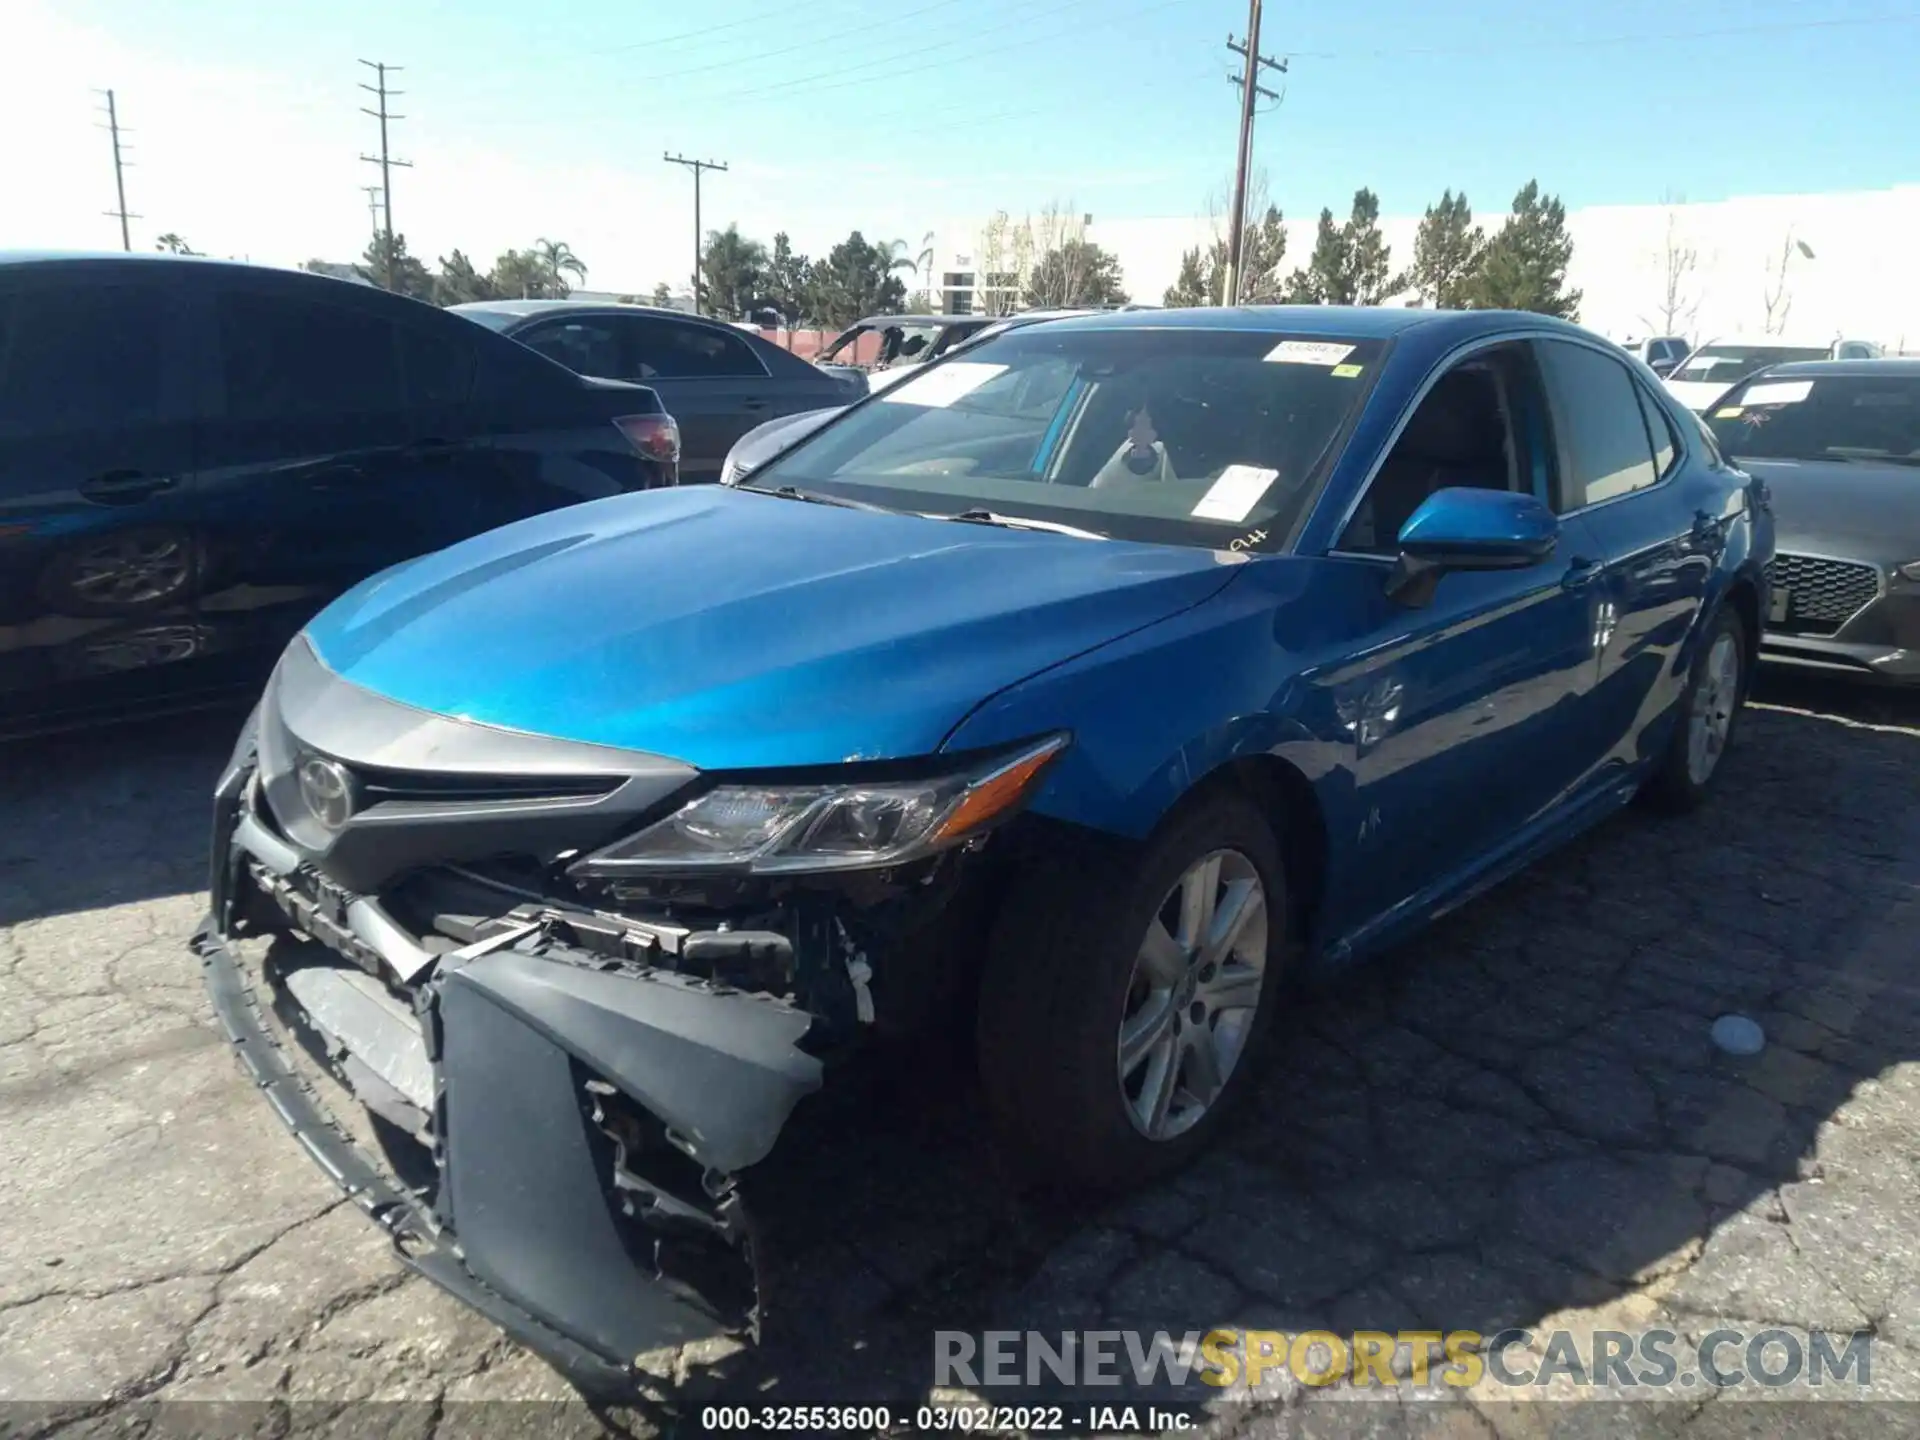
<point x="557" y="1117"/>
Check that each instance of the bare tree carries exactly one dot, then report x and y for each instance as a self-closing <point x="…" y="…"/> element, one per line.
<point x="994" y="255"/>
<point x="1679" y="302"/>
<point x="1060" y="230"/>
<point x="1775" y="296"/>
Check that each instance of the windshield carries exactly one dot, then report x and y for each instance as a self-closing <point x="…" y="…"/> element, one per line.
<point x="881" y="345"/>
<point x="1186" y="437"/>
<point x="1837" y="417"/>
<point x="1727" y="364"/>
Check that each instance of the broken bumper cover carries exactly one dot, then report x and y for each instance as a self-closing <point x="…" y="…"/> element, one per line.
<point x="538" y="1213"/>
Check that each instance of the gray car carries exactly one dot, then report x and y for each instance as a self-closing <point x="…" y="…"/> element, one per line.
<point x="1838" y="444"/>
<point x="716" y="380"/>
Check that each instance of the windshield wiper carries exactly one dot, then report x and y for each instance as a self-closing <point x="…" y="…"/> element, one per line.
<point x="1017" y="522"/>
<point x="814" y="497"/>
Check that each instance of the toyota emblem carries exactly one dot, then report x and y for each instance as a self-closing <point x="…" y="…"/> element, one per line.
<point x="326" y="786"/>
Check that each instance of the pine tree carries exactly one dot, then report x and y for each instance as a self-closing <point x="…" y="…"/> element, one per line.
<point x="1447" y="252"/>
<point x="1369" y="267"/>
<point x="1525" y="265"/>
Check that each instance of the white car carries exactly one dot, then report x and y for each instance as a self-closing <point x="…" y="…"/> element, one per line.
<point x="1716" y="367"/>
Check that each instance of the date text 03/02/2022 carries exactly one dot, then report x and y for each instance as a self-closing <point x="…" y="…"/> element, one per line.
<point x="959" y="1419"/>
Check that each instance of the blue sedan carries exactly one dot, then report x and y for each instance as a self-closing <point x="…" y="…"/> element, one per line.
<point x="1081" y="693"/>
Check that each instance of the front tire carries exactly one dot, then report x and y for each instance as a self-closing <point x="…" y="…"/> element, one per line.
<point x="1125" y="1003"/>
<point x="1709" y="713"/>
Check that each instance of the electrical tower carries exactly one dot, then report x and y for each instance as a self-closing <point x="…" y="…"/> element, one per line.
<point x="696" y="166"/>
<point x="384" y="159"/>
<point x="120" y="166"/>
<point x="1249" y="82"/>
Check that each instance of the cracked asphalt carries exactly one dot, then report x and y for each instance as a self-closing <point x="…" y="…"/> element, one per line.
<point x="1518" y="1120"/>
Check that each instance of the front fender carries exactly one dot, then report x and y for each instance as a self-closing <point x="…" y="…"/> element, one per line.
<point x="1155" y="713"/>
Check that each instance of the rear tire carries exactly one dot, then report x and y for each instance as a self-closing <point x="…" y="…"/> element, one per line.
<point x="1709" y="714"/>
<point x="1126" y="1001"/>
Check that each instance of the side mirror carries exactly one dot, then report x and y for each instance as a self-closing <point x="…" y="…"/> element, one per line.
<point x="1470" y="529"/>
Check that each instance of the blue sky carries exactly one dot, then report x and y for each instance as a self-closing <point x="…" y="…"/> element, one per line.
<point x="850" y="113"/>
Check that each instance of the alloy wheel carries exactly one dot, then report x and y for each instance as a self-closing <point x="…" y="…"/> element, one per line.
<point x="1193" y="994"/>
<point x="1710" y="717"/>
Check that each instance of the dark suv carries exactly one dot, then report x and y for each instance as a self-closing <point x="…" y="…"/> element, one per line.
<point x="196" y="456"/>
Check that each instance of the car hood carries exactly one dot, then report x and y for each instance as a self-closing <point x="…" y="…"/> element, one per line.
<point x="731" y="630"/>
<point x="1842" y="508"/>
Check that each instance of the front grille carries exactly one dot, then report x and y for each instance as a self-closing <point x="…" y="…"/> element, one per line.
<point x="1821" y="594"/>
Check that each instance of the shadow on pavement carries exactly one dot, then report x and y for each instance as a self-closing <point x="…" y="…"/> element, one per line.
<point x="1517" y="1114"/>
<point x="111" y="815"/>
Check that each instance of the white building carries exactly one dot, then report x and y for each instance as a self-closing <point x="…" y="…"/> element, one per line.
<point x="1847" y="259"/>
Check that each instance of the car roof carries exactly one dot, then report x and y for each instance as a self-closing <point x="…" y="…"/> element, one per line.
<point x="923" y="319"/>
<point x="577" y="307"/>
<point x="1891" y="365"/>
<point x="1335" y="322"/>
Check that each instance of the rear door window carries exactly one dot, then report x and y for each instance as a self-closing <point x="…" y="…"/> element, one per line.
<point x="82" y="358"/>
<point x="287" y="357"/>
<point x="669" y="350"/>
<point x="1598" y="420"/>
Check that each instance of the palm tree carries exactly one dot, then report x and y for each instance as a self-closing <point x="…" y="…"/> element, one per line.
<point x="897" y="257"/>
<point x="172" y="244"/>
<point x="556" y="256"/>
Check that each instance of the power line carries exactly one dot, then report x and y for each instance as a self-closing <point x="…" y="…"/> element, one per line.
<point x="738" y="62"/>
<point x="813" y="88"/>
<point x="372" y="193"/>
<point x="384" y="160"/>
<point x="697" y="166"/>
<point x="1249" y="82"/>
<point x="1634" y="38"/>
<point x="120" y="166"/>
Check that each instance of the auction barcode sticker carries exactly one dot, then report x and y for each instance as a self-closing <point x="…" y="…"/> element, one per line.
<point x="1309" y="352"/>
<point x="1233" y="496"/>
<point x="1778" y="392"/>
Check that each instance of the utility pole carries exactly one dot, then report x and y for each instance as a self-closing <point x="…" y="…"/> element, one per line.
<point x="696" y="166"/>
<point x="1248" y="82"/>
<point x="384" y="160"/>
<point x="120" y="166"/>
<point x="372" y="193"/>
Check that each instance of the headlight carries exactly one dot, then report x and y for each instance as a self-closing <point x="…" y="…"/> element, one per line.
<point x="780" y="829"/>
<point x="1908" y="571"/>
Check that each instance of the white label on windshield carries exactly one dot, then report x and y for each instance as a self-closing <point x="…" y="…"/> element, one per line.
<point x="1309" y="352"/>
<point x="1233" y="496"/>
<point x="942" y="385"/>
<point x="1778" y="392"/>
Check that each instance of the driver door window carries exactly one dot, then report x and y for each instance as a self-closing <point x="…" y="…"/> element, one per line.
<point x="1462" y="434"/>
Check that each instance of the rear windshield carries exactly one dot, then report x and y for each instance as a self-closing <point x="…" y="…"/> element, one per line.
<point x="1186" y="437"/>
<point x="1724" y="364"/>
<point x="1838" y="417"/>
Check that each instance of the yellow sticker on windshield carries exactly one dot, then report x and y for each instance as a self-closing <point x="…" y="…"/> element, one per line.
<point x="1732" y="412"/>
<point x="1347" y="372"/>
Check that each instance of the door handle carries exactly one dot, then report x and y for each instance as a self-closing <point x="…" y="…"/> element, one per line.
<point x="1581" y="571"/>
<point x="124" y="487"/>
<point x="753" y="404"/>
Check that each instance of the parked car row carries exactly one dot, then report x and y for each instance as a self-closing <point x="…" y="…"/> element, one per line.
<point x="1716" y="367"/>
<point x="196" y="456"/>
<point x="1081" y="691"/>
